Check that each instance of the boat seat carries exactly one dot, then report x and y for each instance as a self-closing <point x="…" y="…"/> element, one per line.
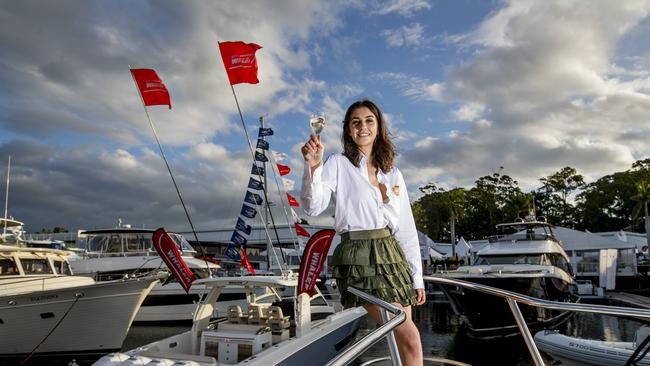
<point x="277" y="320"/>
<point x="256" y="315"/>
<point x="235" y="314"/>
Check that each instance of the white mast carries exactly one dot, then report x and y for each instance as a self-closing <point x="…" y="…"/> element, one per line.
<point x="4" y="230"/>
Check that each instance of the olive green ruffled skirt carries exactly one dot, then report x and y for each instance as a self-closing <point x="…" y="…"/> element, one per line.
<point x="373" y="262"/>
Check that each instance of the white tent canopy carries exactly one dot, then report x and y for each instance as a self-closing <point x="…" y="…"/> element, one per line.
<point x="463" y="248"/>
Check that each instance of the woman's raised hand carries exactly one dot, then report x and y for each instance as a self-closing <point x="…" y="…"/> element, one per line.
<point x="312" y="151"/>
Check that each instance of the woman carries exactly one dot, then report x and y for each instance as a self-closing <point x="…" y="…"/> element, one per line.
<point x="379" y="251"/>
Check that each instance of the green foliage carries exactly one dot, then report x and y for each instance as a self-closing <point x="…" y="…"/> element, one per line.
<point x="611" y="203"/>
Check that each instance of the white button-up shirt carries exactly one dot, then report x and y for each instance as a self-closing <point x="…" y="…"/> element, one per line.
<point x="359" y="205"/>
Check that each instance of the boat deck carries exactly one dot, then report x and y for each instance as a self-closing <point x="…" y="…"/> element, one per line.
<point x="628" y="299"/>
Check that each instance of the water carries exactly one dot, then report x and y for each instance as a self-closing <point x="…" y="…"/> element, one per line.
<point x="443" y="336"/>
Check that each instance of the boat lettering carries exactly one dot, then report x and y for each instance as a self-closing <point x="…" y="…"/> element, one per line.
<point x="44" y="297"/>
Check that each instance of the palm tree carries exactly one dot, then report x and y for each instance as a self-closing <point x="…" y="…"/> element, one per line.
<point x="643" y="196"/>
<point x="455" y="201"/>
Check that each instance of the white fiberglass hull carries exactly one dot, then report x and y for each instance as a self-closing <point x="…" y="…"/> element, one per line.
<point x="578" y="351"/>
<point x="86" y="319"/>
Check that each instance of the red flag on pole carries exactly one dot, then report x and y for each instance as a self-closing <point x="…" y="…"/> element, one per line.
<point x="312" y="260"/>
<point x="239" y="61"/>
<point x="151" y="88"/>
<point x="301" y="231"/>
<point x="292" y="201"/>
<point x="244" y="262"/>
<point x="283" y="169"/>
<point x="168" y="251"/>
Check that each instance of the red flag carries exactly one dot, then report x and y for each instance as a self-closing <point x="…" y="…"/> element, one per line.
<point x="168" y="251"/>
<point x="301" y="231"/>
<point x="245" y="263"/>
<point x="312" y="260"/>
<point x="292" y="201"/>
<point x="152" y="89"/>
<point x="283" y="169"/>
<point x="239" y="61"/>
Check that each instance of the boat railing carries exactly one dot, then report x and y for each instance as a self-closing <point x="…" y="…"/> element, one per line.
<point x="383" y="331"/>
<point x="513" y="300"/>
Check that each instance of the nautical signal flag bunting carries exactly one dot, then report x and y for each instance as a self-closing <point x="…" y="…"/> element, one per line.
<point x="152" y="89"/>
<point x="239" y="61"/>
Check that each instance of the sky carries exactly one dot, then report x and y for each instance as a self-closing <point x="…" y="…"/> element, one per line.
<point x="467" y="87"/>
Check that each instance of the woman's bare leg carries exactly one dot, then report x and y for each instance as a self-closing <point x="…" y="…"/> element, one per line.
<point x="406" y="335"/>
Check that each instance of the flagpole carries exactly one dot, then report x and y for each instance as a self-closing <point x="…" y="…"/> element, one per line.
<point x="4" y="230"/>
<point x="162" y="153"/>
<point x="250" y="148"/>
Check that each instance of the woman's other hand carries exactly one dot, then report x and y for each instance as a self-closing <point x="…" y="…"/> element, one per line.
<point x="420" y="296"/>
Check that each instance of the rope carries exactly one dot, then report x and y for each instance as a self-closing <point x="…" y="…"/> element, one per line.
<point x="77" y="295"/>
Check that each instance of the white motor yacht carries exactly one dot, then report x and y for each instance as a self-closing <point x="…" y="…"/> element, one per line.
<point x="270" y="330"/>
<point x="46" y="311"/>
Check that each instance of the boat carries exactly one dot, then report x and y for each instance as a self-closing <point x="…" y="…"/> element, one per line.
<point x="46" y="311"/>
<point x="113" y="253"/>
<point x="525" y="258"/>
<point x="272" y="329"/>
<point x="579" y="351"/>
<point x="12" y="231"/>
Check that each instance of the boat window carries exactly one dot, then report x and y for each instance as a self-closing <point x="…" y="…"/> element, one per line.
<point x="510" y="259"/>
<point x="62" y="267"/>
<point x="559" y="261"/>
<point x="138" y="243"/>
<point x="182" y="243"/>
<point x="36" y="266"/>
<point x="8" y="267"/>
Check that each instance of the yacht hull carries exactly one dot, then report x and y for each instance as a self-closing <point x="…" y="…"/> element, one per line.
<point x="487" y="316"/>
<point x="70" y="321"/>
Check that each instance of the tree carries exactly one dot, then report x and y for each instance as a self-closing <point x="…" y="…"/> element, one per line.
<point x="556" y="189"/>
<point x="642" y="197"/>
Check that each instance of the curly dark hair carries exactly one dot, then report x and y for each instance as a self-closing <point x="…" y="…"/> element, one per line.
<point x="383" y="150"/>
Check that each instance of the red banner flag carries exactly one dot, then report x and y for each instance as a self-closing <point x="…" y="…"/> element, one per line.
<point x="168" y="251"/>
<point x="239" y="61"/>
<point x="283" y="169"/>
<point x="151" y="88"/>
<point x="292" y="201"/>
<point x="312" y="260"/>
<point x="245" y="263"/>
<point x="301" y="231"/>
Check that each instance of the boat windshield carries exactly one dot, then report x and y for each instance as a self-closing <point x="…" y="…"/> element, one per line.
<point x="510" y="259"/>
<point x="130" y="243"/>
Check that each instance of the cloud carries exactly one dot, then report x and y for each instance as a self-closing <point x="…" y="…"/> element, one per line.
<point x="542" y="85"/>
<point x="404" y="8"/>
<point x="407" y="35"/>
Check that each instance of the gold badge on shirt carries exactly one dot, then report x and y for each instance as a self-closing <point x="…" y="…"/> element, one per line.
<point x="396" y="190"/>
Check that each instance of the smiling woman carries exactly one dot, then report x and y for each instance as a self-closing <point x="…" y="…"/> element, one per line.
<point x="379" y="251"/>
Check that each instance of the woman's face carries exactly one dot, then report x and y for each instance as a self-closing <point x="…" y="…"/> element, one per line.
<point x="363" y="127"/>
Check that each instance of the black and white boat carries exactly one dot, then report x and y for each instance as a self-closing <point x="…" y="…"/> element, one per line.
<point x="525" y="258"/>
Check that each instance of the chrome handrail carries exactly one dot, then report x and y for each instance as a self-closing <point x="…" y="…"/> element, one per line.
<point x="352" y="352"/>
<point x="514" y="298"/>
